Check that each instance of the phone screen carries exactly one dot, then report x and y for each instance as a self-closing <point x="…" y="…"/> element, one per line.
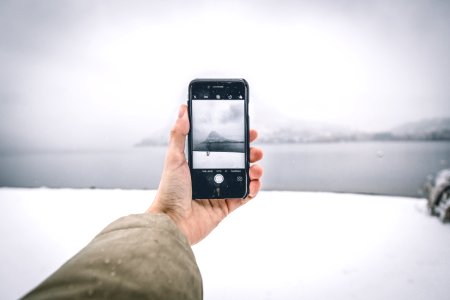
<point x="218" y="134"/>
<point x="219" y="138"/>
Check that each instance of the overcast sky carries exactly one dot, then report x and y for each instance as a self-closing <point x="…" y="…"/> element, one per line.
<point x="222" y="116"/>
<point x="105" y="74"/>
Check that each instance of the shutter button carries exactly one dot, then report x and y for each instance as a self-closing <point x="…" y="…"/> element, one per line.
<point x="218" y="178"/>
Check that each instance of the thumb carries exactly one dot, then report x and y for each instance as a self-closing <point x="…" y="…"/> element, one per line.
<point x="179" y="131"/>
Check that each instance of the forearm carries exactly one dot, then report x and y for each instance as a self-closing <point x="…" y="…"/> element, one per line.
<point x="138" y="256"/>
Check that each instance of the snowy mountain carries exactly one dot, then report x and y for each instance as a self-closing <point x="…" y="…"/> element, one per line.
<point x="214" y="137"/>
<point x="429" y="129"/>
<point x="301" y="132"/>
<point x="280" y="130"/>
<point x="216" y="142"/>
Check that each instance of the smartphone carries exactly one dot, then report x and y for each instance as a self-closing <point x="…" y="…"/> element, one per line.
<point x="218" y="140"/>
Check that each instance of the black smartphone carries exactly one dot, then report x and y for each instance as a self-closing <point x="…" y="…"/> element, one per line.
<point x="218" y="139"/>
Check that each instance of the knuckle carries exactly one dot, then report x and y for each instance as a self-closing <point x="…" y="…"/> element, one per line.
<point x="173" y="132"/>
<point x="177" y="157"/>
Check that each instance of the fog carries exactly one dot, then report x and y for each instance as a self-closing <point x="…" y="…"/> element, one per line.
<point x="79" y="75"/>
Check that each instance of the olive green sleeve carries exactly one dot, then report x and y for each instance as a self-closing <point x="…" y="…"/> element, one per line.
<point x="141" y="256"/>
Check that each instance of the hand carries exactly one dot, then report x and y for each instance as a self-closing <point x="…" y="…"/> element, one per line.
<point x="195" y="218"/>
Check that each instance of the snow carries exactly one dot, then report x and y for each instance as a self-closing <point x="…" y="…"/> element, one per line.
<point x="282" y="245"/>
<point x="228" y="160"/>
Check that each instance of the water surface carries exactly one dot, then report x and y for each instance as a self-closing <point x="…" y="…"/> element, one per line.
<point x="391" y="168"/>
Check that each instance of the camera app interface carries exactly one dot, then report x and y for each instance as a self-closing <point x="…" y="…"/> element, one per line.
<point x="218" y="132"/>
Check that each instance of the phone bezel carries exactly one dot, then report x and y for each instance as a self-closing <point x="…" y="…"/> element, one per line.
<point x="214" y="81"/>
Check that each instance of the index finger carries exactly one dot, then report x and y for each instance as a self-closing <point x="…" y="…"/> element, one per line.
<point x="253" y="135"/>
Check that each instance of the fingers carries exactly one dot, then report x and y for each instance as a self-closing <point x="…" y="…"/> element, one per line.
<point x="255" y="186"/>
<point x="255" y="154"/>
<point x="253" y="135"/>
<point x="179" y="131"/>
<point x="255" y="172"/>
<point x="233" y="204"/>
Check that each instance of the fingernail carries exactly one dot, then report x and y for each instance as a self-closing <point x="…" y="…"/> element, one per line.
<point x="181" y="112"/>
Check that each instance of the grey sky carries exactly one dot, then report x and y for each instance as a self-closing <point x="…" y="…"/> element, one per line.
<point x="105" y="74"/>
<point x="224" y="117"/>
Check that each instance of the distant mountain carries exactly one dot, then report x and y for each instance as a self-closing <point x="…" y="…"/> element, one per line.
<point x="214" y="137"/>
<point x="161" y="140"/>
<point x="217" y="143"/>
<point x="310" y="132"/>
<point x="425" y="130"/>
<point x="429" y="129"/>
<point x="155" y="140"/>
<point x="307" y="133"/>
<point x="424" y="126"/>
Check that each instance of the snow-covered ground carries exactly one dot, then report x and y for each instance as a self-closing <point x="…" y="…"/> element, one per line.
<point x="282" y="245"/>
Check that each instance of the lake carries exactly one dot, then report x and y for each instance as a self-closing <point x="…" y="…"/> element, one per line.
<point x="390" y="168"/>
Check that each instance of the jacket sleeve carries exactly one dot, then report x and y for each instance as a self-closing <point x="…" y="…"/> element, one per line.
<point x="141" y="256"/>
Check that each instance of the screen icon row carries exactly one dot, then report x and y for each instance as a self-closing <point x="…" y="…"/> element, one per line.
<point x="218" y="97"/>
